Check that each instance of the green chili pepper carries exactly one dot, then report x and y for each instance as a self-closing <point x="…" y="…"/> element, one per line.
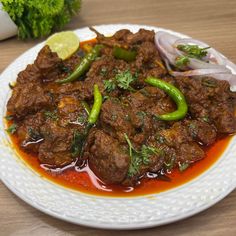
<point x="93" y="116"/>
<point x="175" y="94"/>
<point x="77" y="147"/>
<point x="84" y="65"/>
<point x="121" y="53"/>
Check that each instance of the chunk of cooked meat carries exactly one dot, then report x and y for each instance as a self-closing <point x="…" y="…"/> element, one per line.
<point x="27" y="98"/>
<point x="178" y="141"/>
<point x="28" y="95"/>
<point x="115" y="120"/>
<point x="56" y="147"/>
<point x="28" y="132"/>
<point x="211" y="100"/>
<point x="106" y="157"/>
<point x="71" y="111"/>
<point x="201" y="131"/>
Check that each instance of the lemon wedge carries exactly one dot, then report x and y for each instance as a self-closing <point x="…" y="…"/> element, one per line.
<point x="64" y="43"/>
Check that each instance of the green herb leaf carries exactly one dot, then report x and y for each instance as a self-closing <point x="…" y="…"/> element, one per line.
<point x="193" y="51"/>
<point x="77" y="143"/>
<point x="124" y="79"/>
<point x="181" y="61"/>
<point x="121" y="80"/>
<point x="147" y="152"/>
<point x="39" y="18"/>
<point x="51" y="115"/>
<point x="139" y="158"/>
<point x="183" y="166"/>
<point x="169" y="165"/>
<point x="209" y="83"/>
<point x="34" y="134"/>
<point x="9" y="117"/>
<point x="12" y="128"/>
<point x="109" y="85"/>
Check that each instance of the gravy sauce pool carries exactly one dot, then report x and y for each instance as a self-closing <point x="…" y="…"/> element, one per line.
<point x="85" y="181"/>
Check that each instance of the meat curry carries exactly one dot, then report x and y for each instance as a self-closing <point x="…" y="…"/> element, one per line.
<point x="110" y="117"/>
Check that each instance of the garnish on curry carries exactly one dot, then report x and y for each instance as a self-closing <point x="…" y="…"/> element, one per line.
<point x="113" y="108"/>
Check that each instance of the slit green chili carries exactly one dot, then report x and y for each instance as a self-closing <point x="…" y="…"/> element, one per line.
<point x="77" y="147"/>
<point x="93" y="116"/>
<point x="175" y="94"/>
<point x="121" y="53"/>
<point x="84" y="65"/>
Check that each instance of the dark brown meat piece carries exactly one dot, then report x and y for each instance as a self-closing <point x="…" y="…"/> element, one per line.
<point x="28" y="132"/>
<point x="178" y="139"/>
<point x="56" y="147"/>
<point x="71" y="113"/>
<point x="211" y="100"/>
<point x="115" y="120"/>
<point x="125" y="38"/>
<point x="28" y="95"/>
<point x="106" y="157"/>
<point x="141" y="36"/>
<point x="27" y="98"/>
<point x="201" y="131"/>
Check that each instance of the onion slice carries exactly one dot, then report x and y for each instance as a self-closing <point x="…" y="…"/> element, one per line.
<point x="213" y="64"/>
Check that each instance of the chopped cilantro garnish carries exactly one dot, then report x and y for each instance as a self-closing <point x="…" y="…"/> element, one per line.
<point x="77" y="143"/>
<point x="183" y="166"/>
<point x="181" y="61"/>
<point x="193" y="51"/>
<point x="139" y="158"/>
<point x="12" y="128"/>
<point x="122" y="80"/>
<point x="109" y="85"/>
<point x="51" y="115"/>
<point x="8" y="117"/>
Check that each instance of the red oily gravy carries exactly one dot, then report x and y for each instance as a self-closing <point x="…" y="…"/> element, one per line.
<point x="85" y="181"/>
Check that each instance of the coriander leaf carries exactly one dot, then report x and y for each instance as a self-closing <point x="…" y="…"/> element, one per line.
<point x="147" y="152"/>
<point x="8" y="117"/>
<point x="138" y="158"/>
<point x="51" y="115"/>
<point x="77" y="143"/>
<point x="124" y="79"/>
<point x="169" y="165"/>
<point x="12" y="128"/>
<point x="183" y="166"/>
<point x="193" y="51"/>
<point x="109" y="85"/>
<point x="181" y="61"/>
<point x="34" y="134"/>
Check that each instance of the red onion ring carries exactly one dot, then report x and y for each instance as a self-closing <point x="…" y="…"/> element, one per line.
<point x="167" y="43"/>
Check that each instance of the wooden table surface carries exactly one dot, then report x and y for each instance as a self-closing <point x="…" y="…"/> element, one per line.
<point x="209" y="20"/>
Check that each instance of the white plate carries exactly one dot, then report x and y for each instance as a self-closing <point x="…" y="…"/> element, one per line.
<point x="109" y="212"/>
